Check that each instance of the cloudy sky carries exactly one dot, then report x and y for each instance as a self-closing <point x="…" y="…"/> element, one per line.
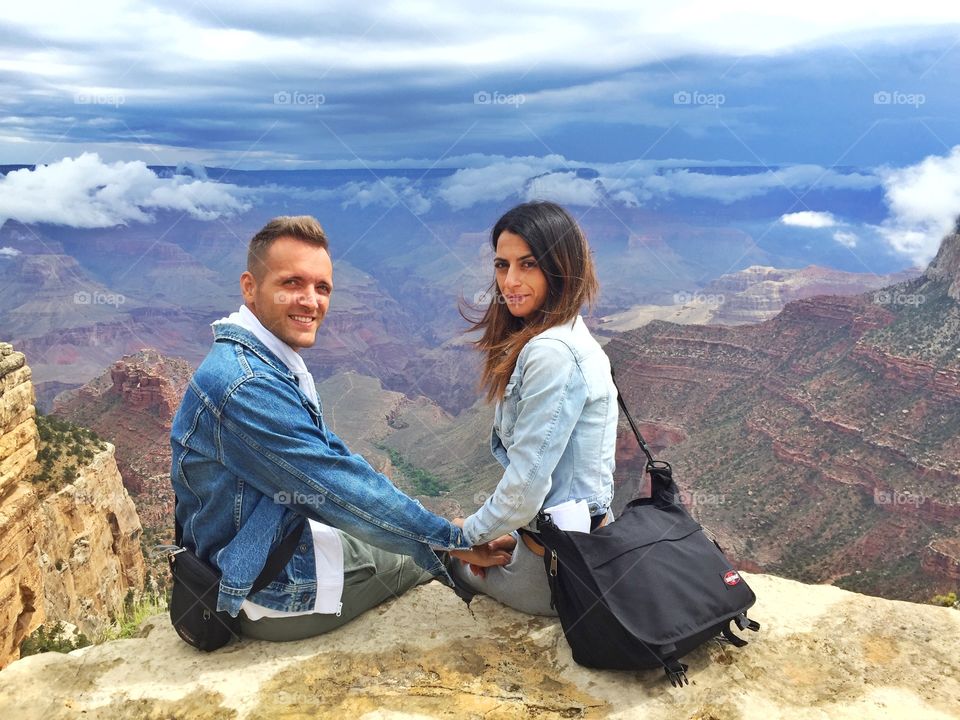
<point x="845" y="95"/>
<point x="294" y="83"/>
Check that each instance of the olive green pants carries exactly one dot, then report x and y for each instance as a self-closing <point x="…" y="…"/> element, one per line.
<point x="370" y="576"/>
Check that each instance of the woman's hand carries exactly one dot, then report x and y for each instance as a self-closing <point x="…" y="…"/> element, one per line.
<point x="496" y="552"/>
<point x="482" y="556"/>
<point x="504" y="542"/>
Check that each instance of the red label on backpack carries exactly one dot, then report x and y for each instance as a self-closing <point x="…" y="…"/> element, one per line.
<point x="731" y="578"/>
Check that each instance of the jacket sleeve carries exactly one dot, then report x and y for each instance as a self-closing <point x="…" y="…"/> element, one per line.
<point x="268" y="439"/>
<point x="553" y="394"/>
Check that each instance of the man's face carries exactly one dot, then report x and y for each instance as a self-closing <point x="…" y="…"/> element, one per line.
<point x="292" y="297"/>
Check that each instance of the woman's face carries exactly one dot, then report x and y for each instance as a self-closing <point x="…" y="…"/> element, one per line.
<point x="520" y="279"/>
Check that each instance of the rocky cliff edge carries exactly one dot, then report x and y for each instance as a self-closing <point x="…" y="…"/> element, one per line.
<point x="822" y="653"/>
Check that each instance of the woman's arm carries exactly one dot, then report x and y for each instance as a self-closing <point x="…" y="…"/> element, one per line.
<point x="552" y="396"/>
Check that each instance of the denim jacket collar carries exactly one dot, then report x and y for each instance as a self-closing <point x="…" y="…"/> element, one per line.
<point x="242" y="336"/>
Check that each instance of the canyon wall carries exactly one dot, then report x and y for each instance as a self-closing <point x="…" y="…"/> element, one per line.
<point x="69" y="552"/>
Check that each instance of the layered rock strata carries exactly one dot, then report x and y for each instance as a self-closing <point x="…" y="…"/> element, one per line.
<point x="71" y="553"/>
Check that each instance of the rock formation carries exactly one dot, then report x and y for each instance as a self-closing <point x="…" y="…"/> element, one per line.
<point x="69" y="554"/>
<point x="132" y="405"/>
<point x="758" y="293"/>
<point x="822" y="652"/>
<point x="749" y="296"/>
<point x="946" y="265"/>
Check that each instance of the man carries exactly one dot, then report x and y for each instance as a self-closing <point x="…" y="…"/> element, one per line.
<point x="251" y="454"/>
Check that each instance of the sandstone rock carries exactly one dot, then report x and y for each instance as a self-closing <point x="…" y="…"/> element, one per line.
<point x="69" y="555"/>
<point x="821" y="653"/>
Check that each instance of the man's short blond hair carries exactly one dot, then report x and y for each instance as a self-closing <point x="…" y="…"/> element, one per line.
<point x="299" y="227"/>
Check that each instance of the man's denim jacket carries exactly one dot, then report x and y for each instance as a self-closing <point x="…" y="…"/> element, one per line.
<point x="554" y="432"/>
<point x="248" y="448"/>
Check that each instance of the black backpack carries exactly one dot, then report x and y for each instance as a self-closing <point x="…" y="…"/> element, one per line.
<point x="645" y="590"/>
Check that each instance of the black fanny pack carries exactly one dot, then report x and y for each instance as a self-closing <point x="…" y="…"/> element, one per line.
<point x="193" y="601"/>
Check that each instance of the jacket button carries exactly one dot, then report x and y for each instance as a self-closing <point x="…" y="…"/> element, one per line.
<point x="302" y="547"/>
<point x="304" y="597"/>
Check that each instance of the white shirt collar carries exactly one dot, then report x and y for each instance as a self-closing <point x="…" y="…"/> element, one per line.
<point x="287" y="355"/>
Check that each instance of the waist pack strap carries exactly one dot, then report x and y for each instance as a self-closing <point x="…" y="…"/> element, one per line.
<point x="276" y="560"/>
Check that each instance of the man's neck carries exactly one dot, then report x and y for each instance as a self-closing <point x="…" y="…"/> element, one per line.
<point x="250" y="316"/>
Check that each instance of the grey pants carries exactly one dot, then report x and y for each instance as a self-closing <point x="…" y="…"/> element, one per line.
<point x="521" y="584"/>
<point x="370" y="576"/>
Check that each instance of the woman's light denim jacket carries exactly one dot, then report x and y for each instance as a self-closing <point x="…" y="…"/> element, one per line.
<point x="554" y="432"/>
<point x="248" y="446"/>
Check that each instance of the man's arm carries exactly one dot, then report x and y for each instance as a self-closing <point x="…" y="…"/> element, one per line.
<point x="292" y="461"/>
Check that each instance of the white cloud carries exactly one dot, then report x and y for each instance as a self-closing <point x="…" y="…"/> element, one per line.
<point x="731" y="188"/>
<point x="388" y="192"/>
<point x="630" y="183"/>
<point x="847" y="239"/>
<point x="564" y="188"/>
<point x="8" y="252"/>
<point x="924" y="202"/>
<point x="809" y="219"/>
<point x="434" y="34"/>
<point x="85" y="192"/>
<point x="496" y="181"/>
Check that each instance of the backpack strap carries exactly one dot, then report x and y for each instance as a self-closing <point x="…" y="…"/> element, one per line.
<point x="276" y="560"/>
<point x="662" y="487"/>
<point x="633" y="425"/>
<point x="744" y="623"/>
<point x="676" y="671"/>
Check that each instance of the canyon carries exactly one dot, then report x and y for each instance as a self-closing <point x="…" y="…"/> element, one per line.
<point x="823" y="444"/>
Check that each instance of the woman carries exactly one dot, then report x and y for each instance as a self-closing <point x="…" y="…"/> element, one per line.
<point x="555" y="425"/>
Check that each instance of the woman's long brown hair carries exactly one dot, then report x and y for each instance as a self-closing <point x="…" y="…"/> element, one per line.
<point x="560" y="249"/>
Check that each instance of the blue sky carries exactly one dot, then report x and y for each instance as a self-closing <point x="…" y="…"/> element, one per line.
<point x="822" y="94"/>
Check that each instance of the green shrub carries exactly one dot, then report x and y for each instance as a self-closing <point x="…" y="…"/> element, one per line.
<point x="422" y="481"/>
<point x="134" y="612"/>
<point x="54" y="639"/>
<point x="948" y="600"/>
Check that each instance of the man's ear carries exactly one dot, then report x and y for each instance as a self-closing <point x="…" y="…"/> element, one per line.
<point x="248" y="286"/>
